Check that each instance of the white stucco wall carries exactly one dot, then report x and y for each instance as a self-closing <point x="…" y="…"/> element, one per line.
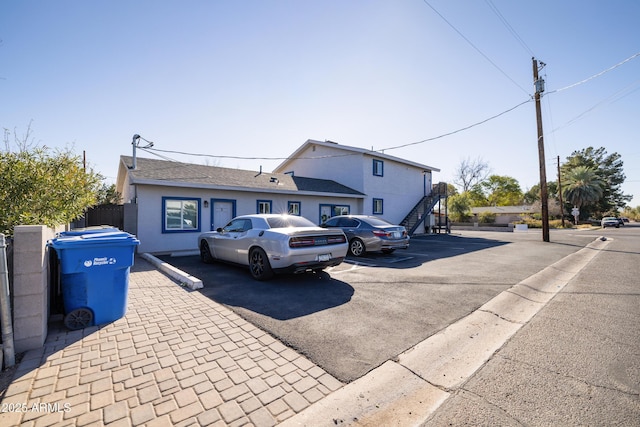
<point x="150" y="212"/>
<point x="328" y="162"/>
<point x="401" y="186"/>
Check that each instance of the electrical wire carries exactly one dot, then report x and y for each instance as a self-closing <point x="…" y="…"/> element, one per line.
<point x="458" y="130"/>
<point x="147" y="150"/>
<point x="509" y="27"/>
<point x="476" y="48"/>
<point x="612" y="98"/>
<point x="150" y="150"/>
<point x="595" y="75"/>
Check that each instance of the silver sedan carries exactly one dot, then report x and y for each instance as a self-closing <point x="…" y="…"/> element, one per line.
<point x="272" y="243"/>
<point x="369" y="233"/>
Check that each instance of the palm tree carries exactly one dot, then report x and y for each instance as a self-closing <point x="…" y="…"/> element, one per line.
<point x="582" y="186"/>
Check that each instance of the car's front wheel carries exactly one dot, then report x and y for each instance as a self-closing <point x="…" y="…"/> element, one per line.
<point x="356" y="247"/>
<point x="259" y="265"/>
<point x="205" y="253"/>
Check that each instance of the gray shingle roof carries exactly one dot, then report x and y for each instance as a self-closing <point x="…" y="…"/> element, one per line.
<point x="163" y="172"/>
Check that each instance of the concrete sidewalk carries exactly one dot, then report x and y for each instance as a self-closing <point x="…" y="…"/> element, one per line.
<point x="176" y="358"/>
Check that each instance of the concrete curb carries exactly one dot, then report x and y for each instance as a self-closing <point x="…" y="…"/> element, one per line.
<point x="409" y="390"/>
<point x="185" y="279"/>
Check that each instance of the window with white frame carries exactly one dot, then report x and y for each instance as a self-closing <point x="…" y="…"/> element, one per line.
<point x="377" y="206"/>
<point x="180" y="214"/>
<point x="294" y="208"/>
<point x="378" y="167"/>
<point x="264" y="206"/>
<point x="340" y="210"/>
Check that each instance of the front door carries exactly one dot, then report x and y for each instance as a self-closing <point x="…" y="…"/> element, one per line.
<point x="222" y="213"/>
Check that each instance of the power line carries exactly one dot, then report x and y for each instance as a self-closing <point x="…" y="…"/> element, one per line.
<point x="153" y="150"/>
<point x="475" y="47"/>
<point x="509" y="27"/>
<point x="596" y="75"/>
<point x="458" y="130"/>
<point x="611" y="98"/>
<point x="150" y="151"/>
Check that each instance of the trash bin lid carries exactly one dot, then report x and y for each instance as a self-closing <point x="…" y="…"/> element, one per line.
<point x="88" y="230"/>
<point x="110" y="238"/>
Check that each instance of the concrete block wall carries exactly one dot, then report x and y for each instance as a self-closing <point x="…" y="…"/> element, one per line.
<point x="30" y="286"/>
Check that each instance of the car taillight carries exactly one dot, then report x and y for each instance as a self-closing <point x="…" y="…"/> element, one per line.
<point x="299" y="242"/>
<point x="332" y="240"/>
<point x="305" y="241"/>
<point x="380" y="233"/>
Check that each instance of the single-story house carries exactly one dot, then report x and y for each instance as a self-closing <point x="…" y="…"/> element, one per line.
<point x="505" y="214"/>
<point x="168" y="204"/>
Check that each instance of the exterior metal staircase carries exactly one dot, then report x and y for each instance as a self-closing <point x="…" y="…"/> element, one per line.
<point x="419" y="212"/>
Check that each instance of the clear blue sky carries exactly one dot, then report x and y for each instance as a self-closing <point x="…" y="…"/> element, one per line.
<point x="257" y="78"/>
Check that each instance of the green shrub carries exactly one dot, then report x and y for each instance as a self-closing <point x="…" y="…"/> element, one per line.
<point x="487" y="217"/>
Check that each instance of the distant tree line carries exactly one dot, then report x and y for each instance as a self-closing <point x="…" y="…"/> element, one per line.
<point x="590" y="180"/>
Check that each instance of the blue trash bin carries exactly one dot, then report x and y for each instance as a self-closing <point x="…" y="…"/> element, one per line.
<point x="94" y="275"/>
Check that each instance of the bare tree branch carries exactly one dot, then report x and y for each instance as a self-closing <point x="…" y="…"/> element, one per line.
<point x="471" y="172"/>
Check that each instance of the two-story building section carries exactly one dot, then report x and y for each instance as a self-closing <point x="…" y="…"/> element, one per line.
<point x="392" y="186"/>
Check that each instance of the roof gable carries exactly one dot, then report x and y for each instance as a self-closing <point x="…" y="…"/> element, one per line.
<point x="352" y="150"/>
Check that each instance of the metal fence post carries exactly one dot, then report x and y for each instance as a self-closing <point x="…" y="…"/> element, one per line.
<point x="5" y="308"/>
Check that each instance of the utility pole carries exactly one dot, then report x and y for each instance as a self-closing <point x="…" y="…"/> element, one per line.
<point x="560" y="193"/>
<point x="544" y="194"/>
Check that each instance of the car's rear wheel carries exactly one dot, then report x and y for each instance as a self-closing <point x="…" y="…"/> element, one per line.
<point x="205" y="253"/>
<point x="259" y="265"/>
<point x="356" y="247"/>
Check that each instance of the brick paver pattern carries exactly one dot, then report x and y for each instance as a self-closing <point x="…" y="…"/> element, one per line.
<point x="177" y="358"/>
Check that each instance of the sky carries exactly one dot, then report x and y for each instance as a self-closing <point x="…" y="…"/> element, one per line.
<point x="248" y="82"/>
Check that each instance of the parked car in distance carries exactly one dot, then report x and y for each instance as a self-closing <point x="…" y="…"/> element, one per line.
<point x="610" y="221"/>
<point x="369" y="233"/>
<point x="272" y="243"/>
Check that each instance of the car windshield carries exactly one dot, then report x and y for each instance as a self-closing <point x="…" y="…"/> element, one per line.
<point x="289" y="221"/>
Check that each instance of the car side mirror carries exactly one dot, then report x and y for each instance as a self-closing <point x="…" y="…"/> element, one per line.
<point x="219" y="229"/>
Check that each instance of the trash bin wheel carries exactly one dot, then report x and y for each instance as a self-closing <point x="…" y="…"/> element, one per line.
<point x="78" y="319"/>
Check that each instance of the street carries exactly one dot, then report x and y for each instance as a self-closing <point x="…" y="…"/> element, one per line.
<point x="576" y="362"/>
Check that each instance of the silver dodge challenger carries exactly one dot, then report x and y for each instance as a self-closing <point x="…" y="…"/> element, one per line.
<point x="272" y="243"/>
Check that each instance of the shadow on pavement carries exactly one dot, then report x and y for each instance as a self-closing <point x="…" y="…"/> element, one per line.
<point x="425" y="248"/>
<point x="283" y="297"/>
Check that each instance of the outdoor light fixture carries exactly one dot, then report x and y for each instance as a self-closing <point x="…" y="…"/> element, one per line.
<point x="205" y="204"/>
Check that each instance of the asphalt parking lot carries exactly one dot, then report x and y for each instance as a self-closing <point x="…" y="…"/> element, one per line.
<point x="354" y="317"/>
